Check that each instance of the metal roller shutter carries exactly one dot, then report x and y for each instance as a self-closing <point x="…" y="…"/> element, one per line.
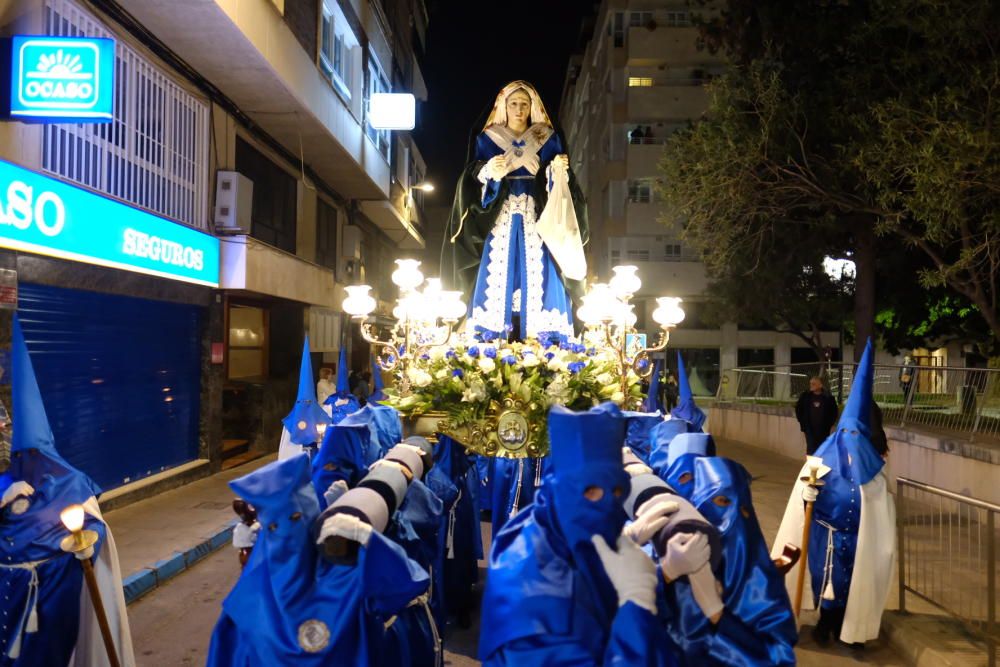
<point x="120" y="377"/>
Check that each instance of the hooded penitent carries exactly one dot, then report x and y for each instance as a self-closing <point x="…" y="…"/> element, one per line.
<point x="48" y="616"/>
<point x="686" y="408"/>
<point x="378" y="393"/>
<point x="639" y="427"/>
<point x="548" y="599"/>
<point x="675" y="462"/>
<point x="307" y="421"/>
<point x="652" y="402"/>
<point x="757" y="628"/>
<point x="852" y="543"/>
<point x="342" y="402"/>
<point x="345" y="455"/>
<point x="384" y="423"/>
<point x="290" y="605"/>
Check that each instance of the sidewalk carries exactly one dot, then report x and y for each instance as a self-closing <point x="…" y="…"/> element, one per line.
<point x="159" y="537"/>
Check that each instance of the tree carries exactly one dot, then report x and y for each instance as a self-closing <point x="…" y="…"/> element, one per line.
<point x="839" y="121"/>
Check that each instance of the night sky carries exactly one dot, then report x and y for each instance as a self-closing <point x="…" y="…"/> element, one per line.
<point x="468" y="62"/>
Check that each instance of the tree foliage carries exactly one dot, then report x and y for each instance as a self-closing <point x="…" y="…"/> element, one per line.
<point x="837" y="121"/>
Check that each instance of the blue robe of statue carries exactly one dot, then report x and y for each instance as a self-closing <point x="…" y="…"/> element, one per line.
<point x="757" y="628"/>
<point x="517" y="273"/>
<point x="290" y="606"/>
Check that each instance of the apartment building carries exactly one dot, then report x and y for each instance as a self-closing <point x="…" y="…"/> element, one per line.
<point x="238" y="133"/>
<point x="639" y="78"/>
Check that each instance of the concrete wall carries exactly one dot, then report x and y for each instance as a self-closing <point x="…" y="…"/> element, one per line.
<point x="952" y="464"/>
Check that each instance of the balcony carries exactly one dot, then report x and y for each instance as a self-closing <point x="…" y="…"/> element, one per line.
<point x="666" y="46"/>
<point x="249" y="265"/>
<point x="669" y="101"/>
<point x="248" y="52"/>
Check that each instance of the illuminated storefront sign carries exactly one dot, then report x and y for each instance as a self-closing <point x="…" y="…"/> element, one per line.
<point x="55" y="78"/>
<point x="42" y="215"/>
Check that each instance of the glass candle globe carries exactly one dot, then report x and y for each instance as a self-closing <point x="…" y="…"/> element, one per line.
<point x="407" y="275"/>
<point x="358" y="303"/>
<point x="625" y="282"/>
<point x="668" y="311"/>
<point x="452" y="308"/>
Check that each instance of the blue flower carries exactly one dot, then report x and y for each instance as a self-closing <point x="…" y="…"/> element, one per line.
<point x="458" y="373"/>
<point x="473" y="351"/>
<point x="450" y="354"/>
<point x="402" y="350"/>
<point x="579" y="348"/>
<point x="565" y="346"/>
<point x="525" y="353"/>
<point x="489" y="335"/>
<point x="509" y="360"/>
<point x="425" y="357"/>
<point x="643" y="364"/>
<point x="591" y="351"/>
<point x="490" y="352"/>
<point x="549" y="355"/>
<point x="576" y="366"/>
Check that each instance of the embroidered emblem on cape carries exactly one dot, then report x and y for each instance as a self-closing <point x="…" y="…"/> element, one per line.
<point x="314" y="636"/>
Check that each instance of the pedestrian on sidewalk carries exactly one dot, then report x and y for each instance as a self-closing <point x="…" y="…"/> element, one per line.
<point x="906" y="374"/>
<point x="816" y="411"/>
<point x="670" y="392"/>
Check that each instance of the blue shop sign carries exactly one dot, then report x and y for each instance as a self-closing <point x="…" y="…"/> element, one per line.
<point x="46" y="216"/>
<point x="58" y="78"/>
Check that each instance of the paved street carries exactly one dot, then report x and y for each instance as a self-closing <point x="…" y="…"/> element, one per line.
<point x="172" y="625"/>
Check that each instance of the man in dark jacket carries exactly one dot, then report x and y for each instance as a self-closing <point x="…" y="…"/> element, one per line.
<point x="816" y="411"/>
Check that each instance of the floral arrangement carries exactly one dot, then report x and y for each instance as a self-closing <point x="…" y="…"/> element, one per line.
<point x="469" y="382"/>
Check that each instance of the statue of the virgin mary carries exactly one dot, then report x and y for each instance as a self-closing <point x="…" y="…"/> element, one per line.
<point x="518" y="224"/>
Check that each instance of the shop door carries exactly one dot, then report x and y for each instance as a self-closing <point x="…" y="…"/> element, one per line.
<point x="120" y="378"/>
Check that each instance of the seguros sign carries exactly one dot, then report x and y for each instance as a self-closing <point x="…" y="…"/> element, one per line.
<point x="42" y="215"/>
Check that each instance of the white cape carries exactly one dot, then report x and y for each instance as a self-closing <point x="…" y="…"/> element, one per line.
<point x="90" y="651"/>
<point x="873" y="561"/>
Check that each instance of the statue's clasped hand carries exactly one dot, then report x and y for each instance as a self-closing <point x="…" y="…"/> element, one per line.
<point x="561" y="162"/>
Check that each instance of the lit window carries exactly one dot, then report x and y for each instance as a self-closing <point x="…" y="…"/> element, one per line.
<point x="337" y="43"/>
<point x="377" y="83"/>
<point x="640" y="81"/>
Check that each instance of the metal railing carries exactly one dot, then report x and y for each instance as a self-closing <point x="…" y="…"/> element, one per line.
<point x="947" y="556"/>
<point x="965" y="401"/>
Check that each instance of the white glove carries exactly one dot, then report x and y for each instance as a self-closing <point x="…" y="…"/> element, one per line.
<point x="20" y="488"/>
<point x="245" y="536"/>
<point x="336" y="490"/>
<point x="810" y="493"/>
<point x="686" y="553"/>
<point x="347" y="526"/>
<point x="653" y="515"/>
<point x="496" y="168"/>
<point x="706" y="591"/>
<point x="630" y="570"/>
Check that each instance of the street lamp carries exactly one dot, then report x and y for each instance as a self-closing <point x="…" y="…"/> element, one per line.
<point x="608" y="307"/>
<point x="424" y="318"/>
<point x="81" y="543"/>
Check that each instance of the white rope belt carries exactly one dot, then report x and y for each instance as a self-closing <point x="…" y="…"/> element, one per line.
<point x="423" y="601"/>
<point x="450" y="540"/>
<point x="29" y="617"/>
<point x="827" y="585"/>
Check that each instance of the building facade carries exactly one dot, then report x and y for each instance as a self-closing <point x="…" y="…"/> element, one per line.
<point x="639" y="78"/>
<point x="241" y="130"/>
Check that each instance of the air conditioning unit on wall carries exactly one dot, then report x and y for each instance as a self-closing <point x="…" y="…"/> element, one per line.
<point x="233" y="203"/>
<point x="349" y="263"/>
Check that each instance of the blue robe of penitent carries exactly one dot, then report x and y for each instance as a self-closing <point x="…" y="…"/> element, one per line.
<point x="674" y="463"/>
<point x="345" y="455"/>
<point x="757" y="627"/>
<point x="686" y="408"/>
<point x="384" y="424"/>
<point x="461" y="565"/>
<point x="853" y="462"/>
<point x="548" y="600"/>
<point x="292" y="606"/>
<point x="639" y="432"/>
<point x="517" y="273"/>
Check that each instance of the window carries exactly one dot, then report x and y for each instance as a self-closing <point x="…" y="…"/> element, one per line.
<point x="247" y="337"/>
<point x="326" y="235"/>
<point x="672" y="250"/>
<point x="637" y="19"/>
<point x="337" y="44"/>
<point x="274" y="197"/>
<point x="377" y="83"/>
<point x="640" y="81"/>
<point x="618" y="29"/>
<point x="154" y="153"/>
<point x="678" y="19"/>
<point x="640" y="191"/>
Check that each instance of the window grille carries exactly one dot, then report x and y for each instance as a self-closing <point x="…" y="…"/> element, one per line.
<point x="154" y="154"/>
